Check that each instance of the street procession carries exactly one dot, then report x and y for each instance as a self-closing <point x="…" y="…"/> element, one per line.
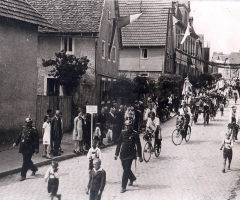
<point x="119" y="100"/>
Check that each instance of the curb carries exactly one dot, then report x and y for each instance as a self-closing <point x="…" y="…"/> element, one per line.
<point x="58" y="158"/>
<point x="47" y="162"/>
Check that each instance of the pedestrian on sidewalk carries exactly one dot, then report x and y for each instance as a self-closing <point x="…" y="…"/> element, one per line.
<point x="97" y="181"/>
<point x="227" y="145"/>
<point x="29" y="144"/>
<point x="102" y="119"/>
<point x="93" y="153"/>
<point x="78" y="133"/>
<point x="46" y="132"/>
<point x="52" y="177"/>
<point x="60" y="148"/>
<point x="49" y="114"/>
<point x="126" y="146"/>
<point x="56" y="132"/>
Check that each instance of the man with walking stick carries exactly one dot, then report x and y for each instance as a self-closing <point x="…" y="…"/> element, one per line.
<point x="128" y="141"/>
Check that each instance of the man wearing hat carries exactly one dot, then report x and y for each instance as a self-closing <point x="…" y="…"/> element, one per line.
<point x="128" y="141"/>
<point x="29" y="144"/>
<point x="233" y="119"/>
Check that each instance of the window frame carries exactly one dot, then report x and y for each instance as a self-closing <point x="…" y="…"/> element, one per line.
<point x="141" y="52"/>
<point x="68" y="45"/>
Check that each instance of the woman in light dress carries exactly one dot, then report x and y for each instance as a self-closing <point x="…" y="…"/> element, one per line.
<point x="78" y="133"/>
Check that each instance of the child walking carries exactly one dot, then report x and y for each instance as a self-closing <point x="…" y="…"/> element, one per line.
<point x="97" y="181"/>
<point x="97" y="135"/>
<point x="227" y="146"/>
<point x="53" y="180"/>
<point x="46" y="131"/>
<point x="93" y="153"/>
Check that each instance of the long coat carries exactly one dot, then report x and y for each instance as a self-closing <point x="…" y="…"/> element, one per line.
<point x="128" y="141"/>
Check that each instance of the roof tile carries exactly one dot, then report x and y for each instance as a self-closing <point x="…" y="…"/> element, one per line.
<point x="150" y="28"/>
<point x="71" y="15"/>
<point x="23" y="11"/>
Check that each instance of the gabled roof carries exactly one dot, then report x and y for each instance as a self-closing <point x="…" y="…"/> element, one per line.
<point x="217" y="57"/>
<point x="234" y="58"/>
<point x="222" y="57"/>
<point x="71" y="15"/>
<point x="150" y="28"/>
<point x="23" y="11"/>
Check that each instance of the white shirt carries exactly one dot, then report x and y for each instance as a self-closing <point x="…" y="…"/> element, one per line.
<point x="51" y="174"/>
<point x="152" y="125"/>
<point x="181" y="111"/>
<point x="94" y="153"/>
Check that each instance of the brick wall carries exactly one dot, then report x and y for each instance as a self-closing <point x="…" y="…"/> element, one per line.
<point x="18" y="64"/>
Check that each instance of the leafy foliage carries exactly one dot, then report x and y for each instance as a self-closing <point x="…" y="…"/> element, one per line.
<point x="143" y="85"/>
<point x="68" y="69"/>
<point x="170" y="83"/>
<point x="121" y="88"/>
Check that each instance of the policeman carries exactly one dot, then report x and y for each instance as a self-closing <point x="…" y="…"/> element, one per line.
<point x="128" y="141"/>
<point x="29" y="144"/>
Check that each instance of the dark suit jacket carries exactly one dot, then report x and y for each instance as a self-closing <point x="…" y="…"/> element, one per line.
<point x="128" y="141"/>
<point x="97" y="180"/>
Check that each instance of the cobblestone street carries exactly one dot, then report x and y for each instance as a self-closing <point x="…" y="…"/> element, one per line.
<point x="189" y="171"/>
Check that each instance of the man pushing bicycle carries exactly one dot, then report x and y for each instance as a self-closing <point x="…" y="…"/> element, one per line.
<point x="153" y="125"/>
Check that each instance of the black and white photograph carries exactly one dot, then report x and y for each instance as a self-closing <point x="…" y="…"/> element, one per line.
<point x="119" y="100"/>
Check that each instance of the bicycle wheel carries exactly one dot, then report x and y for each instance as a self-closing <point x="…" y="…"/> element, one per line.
<point x="147" y="152"/>
<point x="157" y="153"/>
<point x="176" y="137"/>
<point x="187" y="138"/>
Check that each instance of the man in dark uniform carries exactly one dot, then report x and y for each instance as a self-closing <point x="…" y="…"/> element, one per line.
<point x="56" y="132"/>
<point x="128" y="141"/>
<point x="29" y="144"/>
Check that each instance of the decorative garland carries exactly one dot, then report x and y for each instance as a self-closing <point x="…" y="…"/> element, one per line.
<point x="219" y="65"/>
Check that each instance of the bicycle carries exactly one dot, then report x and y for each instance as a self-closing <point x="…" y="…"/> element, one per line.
<point x="148" y="147"/>
<point x="179" y="133"/>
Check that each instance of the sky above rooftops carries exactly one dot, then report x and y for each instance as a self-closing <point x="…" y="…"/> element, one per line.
<point x="219" y="22"/>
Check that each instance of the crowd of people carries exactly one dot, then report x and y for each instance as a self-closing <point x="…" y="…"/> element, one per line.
<point x="121" y="124"/>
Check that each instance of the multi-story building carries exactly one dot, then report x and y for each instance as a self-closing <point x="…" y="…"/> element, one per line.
<point x="19" y="24"/>
<point x="184" y="62"/>
<point x="221" y="59"/>
<point x="151" y="45"/>
<point x="143" y="42"/>
<point x="84" y="28"/>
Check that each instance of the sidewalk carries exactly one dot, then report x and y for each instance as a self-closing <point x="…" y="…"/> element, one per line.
<point x="11" y="160"/>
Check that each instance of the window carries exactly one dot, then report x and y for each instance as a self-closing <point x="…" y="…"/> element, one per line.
<point x="52" y="87"/>
<point x="144" y="75"/>
<point x="67" y="44"/>
<point x="114" y="54"/>
<point x="103" y="49"/>
<point x="109" y="15"/>
<point x="105" y="89"/>
<point x="144" y="53"/>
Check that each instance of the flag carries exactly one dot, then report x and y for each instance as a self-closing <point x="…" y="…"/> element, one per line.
<point x="123" y="21"/>
<point x="187" y="33"/>
<point x="175" y="20"/>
